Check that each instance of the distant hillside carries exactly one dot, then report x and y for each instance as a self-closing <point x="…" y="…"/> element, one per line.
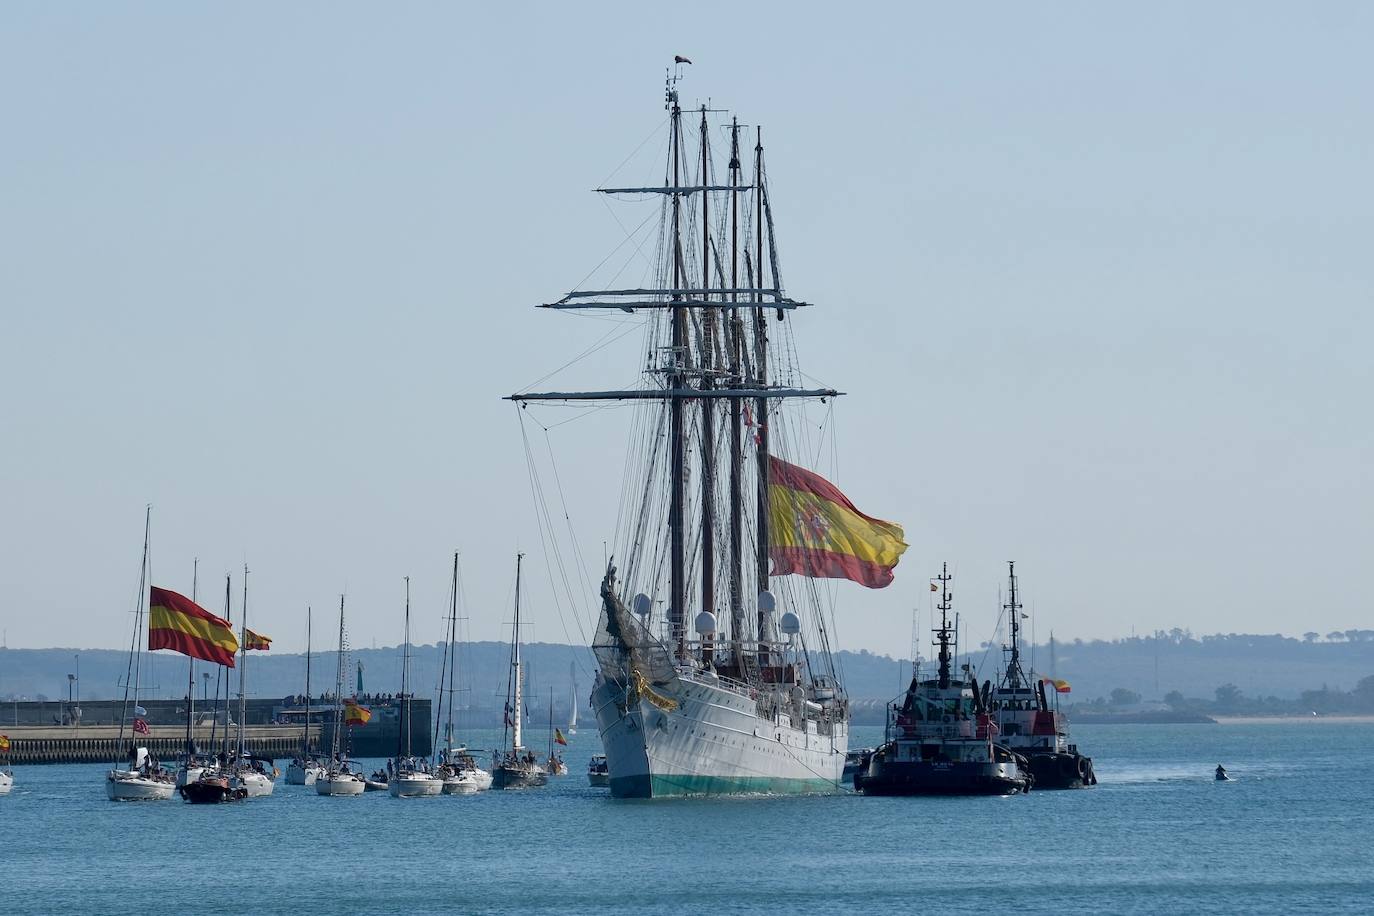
<point x="1151" y="666"/>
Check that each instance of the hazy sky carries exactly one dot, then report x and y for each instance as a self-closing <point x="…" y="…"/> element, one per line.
<point x="1097" y="278"/>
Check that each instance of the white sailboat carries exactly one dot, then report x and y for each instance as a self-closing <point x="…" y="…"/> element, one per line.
<point x="734" y="697"/>
<point x="410" y="776"/>
<point x="339" y="779"/>
<point x="248" y="771"/>
<point x="143" y="779"/>
<point x="516" y="768"/>
<point x="457" y="767"/>
<point x="305" y="768"/>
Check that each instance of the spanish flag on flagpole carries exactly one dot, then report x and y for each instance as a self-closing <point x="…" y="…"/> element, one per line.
<point x="816" y="531"/>
<point x="1059" y="685"/>
<point x="176" y="622"/>
<point x="355" y="714"/>
<point x="257" y="642"/>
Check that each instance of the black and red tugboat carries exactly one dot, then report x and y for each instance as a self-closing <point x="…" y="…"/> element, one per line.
<point x="1025" y="720"/>
<point x="937" y="740"/>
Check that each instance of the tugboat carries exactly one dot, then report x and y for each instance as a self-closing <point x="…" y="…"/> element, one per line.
<point x="1024" y="720"/>
<point x="937" y="742"/>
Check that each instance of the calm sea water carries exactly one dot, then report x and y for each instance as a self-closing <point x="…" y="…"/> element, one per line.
<point x="1293" y="833"/>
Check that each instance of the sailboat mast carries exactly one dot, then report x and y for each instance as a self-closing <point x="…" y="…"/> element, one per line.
<point x="452" y="651"/>
<point x="516" y="720"/>
<point x="191" y="673"/>
<point x="229" y="616"/>
<point x="338" y="690"/>
<point x="676" y="381"/>
<point x="404" y="732"/>
<point x="243" y="662"/>
<point x="761" y="379"/>
<point x="132" y="668"/>
<point x="305" y="738"/>
<point x="736" y="432"/>
<point x="708" y="409"/>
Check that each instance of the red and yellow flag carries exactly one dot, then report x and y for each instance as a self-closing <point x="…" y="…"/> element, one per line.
<point x="355" y="714"/>
<point x="558" y="737"/>
<point x="4" y="742"/>
<point x="816" y="531"/>
<point x="1059" y="685"/>
<point x="257" y="642"/>
<point x="176" y="622"/>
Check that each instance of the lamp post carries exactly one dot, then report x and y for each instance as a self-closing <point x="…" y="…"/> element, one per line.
<point x="71" y="682"/>
<point x="204" y="686"/>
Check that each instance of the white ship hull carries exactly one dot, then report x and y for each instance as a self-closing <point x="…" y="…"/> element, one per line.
<point x="6" y="782"/>
<point x="467" y="782"/>
<point x="417" y="785"/>
<point x="713" y="743"/>
<point x="298" y="775"/>
<point x="122" y="785"/>
<point x="257" y="784"/>
<point x="340" y="784"/>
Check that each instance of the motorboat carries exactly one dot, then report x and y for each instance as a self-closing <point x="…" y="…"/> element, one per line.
<point x="598" y="773"/>
<point x="303" y="771"/>
<point x="212" y="787"/>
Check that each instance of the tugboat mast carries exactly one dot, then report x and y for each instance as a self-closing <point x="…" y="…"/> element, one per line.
<point x="942" y="634"/>
<point x="1016" y="677"/>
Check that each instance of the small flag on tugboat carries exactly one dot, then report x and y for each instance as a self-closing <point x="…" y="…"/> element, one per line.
<point x="354" y="714"/>
<point x="141" y="727"/>
<point x="816" y="531"/>
<point x="1060" y="686"/>
<point x="256" y="642"/>
<point x="558" y="737"/>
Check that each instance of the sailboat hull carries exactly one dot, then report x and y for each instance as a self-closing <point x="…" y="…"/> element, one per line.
<point x="256" y="784"/>
<point x="302" y="775"/>
<point x="6" y="783"/>
<point x="417" y="786"/>
<point x="123" y="786"/>
<point x="342" y="785"/>
<point x="713" y="743"/>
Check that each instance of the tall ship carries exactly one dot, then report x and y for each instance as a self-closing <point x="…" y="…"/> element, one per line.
<point x="1025" y="719"/>
<point x="713" y="641"/>
<point x="938" y="740"/>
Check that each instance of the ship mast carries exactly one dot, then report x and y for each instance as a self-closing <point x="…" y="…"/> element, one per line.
<point x="736" y="433"/>
<point x="942" y="634"/>
<point x="708" y="410"/>
<point x="1015" y="676"/>
<point x="677" y="583"/>
<point x="760" y="404"/>
<point x="516" y="721"/>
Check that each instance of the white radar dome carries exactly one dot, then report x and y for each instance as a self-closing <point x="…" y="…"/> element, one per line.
<point x="767" y="603"/>
<point x="790" y="623"/>
<point x="706" y="623"/>
<point x="643" y="604"/>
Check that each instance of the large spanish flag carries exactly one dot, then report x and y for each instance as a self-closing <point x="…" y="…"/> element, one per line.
<point x="176" y="622"/>
<point x="816" y="531"/>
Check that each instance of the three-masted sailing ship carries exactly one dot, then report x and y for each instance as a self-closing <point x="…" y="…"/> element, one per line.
<point x="743" y="695"/>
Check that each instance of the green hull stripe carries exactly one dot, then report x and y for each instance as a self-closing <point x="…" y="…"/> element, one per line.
<point x="666" y="786"/>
